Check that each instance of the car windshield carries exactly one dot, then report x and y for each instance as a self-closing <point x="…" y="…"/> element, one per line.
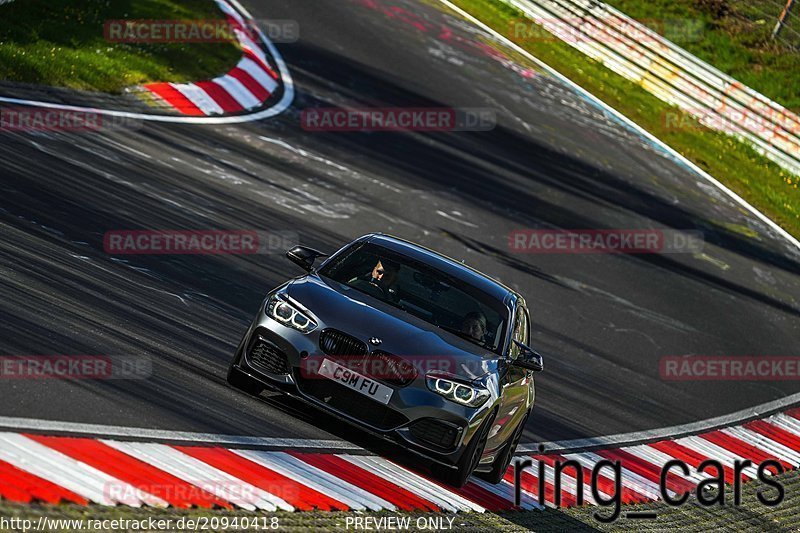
<point x="422" y="291"/>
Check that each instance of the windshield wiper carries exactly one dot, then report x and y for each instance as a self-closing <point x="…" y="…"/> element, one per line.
<point x="463" y="335"/>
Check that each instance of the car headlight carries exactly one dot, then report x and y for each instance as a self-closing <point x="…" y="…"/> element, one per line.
<point x="457" y="392"/>
<point x="290" y="315"/>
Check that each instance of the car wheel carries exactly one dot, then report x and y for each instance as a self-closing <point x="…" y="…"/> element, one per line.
<point x="243" y="382"/>
<point x="471" y="457"/>
<point x="501" y="462"/>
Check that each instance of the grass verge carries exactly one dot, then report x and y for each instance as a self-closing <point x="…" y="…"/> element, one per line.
<point x="61" y="43"/>
<point x="758" y="180"/>
<point x="735" y="37"/>
<point x="748" y="515"/>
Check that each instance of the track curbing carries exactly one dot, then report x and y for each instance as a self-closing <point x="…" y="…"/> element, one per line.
<point x="233" y="93"/>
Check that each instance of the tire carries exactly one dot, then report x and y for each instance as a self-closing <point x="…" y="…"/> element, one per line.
<point x="243" y="382"/>
<point x="472" y="454"/>
<point x="502" y="461"/>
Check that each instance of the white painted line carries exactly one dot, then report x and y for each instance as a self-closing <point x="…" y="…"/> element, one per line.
<point x="200" y="474"/>
<point x="228" y="10"/>
<point x="199" y="97"/>
<point x="444" y="498"/>
<point x="735" y="197"/>
<point x="786" y="423"/>
<point x="239" y="92"/>
<point x="505" y="490"/>
<point x="32" y="424"/>
<point x="409" y="483"/>
<point x="85" y="480"/>
<point x="714" y="451"/>
<point x="765" y="444"/>
<point x="247" y="44"/>
<point x="258" y="73"/>
<point x="631" y="480"/>
<point x="317" y="479"/>
<point x="300" y="477"/>
<point x="658" y="459"/>
<point x="568" y="484"/>
<point x="371" y="501"/>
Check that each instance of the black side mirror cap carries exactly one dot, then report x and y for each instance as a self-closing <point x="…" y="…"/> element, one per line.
<point x="304" y="257"/>
<point x="528" y="358"/>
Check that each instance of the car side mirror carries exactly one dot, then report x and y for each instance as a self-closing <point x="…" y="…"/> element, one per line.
<point x="528" y="358"/>
<point x="304" y="257"/>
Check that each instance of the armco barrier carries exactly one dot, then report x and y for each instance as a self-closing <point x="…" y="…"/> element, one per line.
<point x="672" y="74"/>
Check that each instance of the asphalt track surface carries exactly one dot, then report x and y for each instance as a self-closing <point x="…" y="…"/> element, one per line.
<point x="554" y="160"/>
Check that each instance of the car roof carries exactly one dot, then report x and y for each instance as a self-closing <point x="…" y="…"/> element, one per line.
<point x="443" y="263"/>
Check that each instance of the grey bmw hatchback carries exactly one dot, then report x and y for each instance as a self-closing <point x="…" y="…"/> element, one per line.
<point x="405" y="343"/>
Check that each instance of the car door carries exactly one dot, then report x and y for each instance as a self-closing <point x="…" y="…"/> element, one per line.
<point x="514" y="384"/>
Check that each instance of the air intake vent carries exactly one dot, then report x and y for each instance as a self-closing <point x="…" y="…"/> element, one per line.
<point x="269" y="357"/>
<point x="436" y="433"/>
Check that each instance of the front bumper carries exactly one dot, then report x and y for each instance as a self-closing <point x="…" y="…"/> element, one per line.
<point x="415" y="417"/>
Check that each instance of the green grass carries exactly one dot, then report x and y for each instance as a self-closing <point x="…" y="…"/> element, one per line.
<point x="61" y="43"/>
<point x="754" y="177"/>
<point x="735" y="38"/>
<point x="749" y="515"/>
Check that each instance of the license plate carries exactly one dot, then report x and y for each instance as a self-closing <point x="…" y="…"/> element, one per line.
<point x="349" y="378"/>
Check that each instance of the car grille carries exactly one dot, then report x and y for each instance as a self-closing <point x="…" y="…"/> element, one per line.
<point x="353" y="354"/>
<point x="352" y="403"/>
<point x="335" y="342"/>
<point x="437" y="433"/>
<point x="269" y="357"/>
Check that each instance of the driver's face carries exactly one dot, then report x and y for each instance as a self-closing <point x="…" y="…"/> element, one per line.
<point x="381" y="274"/>
<point x="475" y="328"/>
<point x="378" y="272"/>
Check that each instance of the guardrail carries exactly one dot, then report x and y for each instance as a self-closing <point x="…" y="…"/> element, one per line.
<point x="675" y="76"/>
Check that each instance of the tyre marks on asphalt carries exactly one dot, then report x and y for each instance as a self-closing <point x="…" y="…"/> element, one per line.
<point x="114" y="472"/>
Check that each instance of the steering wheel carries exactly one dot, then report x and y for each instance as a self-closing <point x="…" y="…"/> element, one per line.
<point x="369" y="288"/>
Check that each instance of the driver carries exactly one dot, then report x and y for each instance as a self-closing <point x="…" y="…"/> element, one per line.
<point x="474" y="325"/>
<point x="382" y="277"/>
